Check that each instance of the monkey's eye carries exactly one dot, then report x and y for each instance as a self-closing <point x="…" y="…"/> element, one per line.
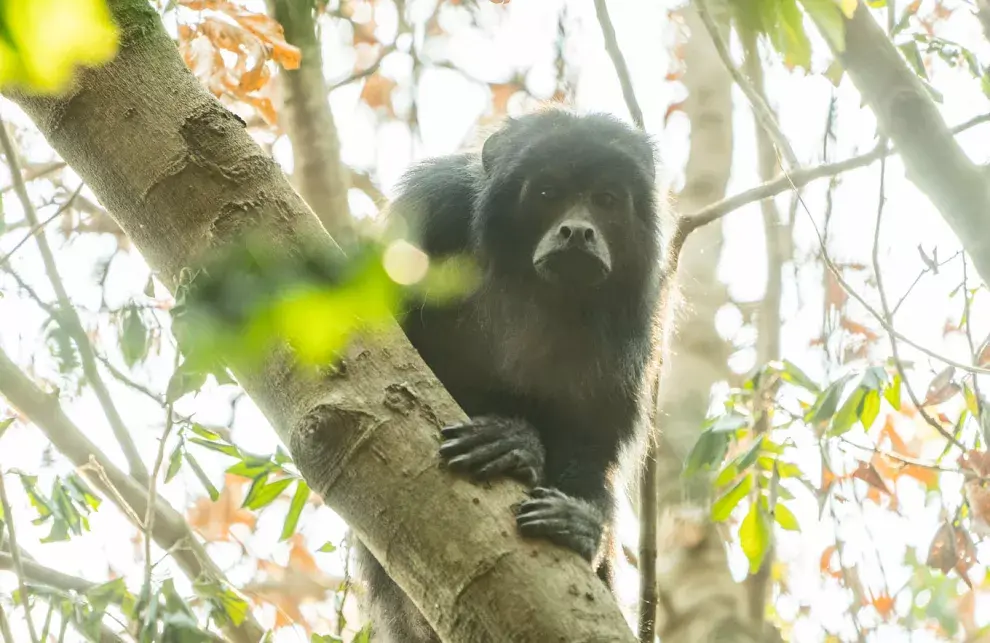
<point x="548" y="193"/>
<point x="604" y="199"/>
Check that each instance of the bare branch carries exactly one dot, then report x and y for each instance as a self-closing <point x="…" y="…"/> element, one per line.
<point x="68" y="318"/>
<point x="15" y="555"/>
<point x="37" y="228"/>
<point x="797" y="179"/>
<point x="612" y="47"/>
<point x="761" y="110"/>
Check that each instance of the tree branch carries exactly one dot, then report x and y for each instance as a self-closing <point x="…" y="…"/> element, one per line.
<point x="15" y="558"/>
<point x="933" y="160"/>
<point x="68" y="318"/>
<point x="798" y="179"/>
<point x="365" y="439"/>
<point x="621" y="69"/>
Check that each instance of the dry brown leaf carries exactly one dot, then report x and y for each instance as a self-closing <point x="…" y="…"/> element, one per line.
<point x="857" y="328"/>
<point x="869" y="474"/>
<point x="214" y="519"/>
<point x="942" y="388"/>
<point x="952" y="548"/>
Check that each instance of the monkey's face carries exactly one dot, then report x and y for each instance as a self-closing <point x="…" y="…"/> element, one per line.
<point x="574" y="249"/>
<point x="569" y="205"/>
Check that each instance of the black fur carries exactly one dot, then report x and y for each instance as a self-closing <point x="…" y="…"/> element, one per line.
<point x="552" y="372"/>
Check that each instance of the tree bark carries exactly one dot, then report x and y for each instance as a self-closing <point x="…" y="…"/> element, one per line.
<point x="318" y="174"/>
<point x="182" y="178"/>
<point x="700" y="601"/>
<point x="905" y="113"/>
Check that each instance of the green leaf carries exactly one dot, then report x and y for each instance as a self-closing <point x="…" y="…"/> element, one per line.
<point x="729" y="423"/>
<point x="707" y="452"/>
<point x="295" y="509"/>
<point x="134" y="337"/>
<point x="4" y="424"/>
<point x="722" y="508"/>
<point x="824" y="407"/>
<point x="791" y="374"/>
<point x="785" y="518"/>
<point x="870" y="408"/>
<point x="827" y="16"/>
<point x="892" y="393"/>
<point x="183" y="381"/>
<point x="261" y="494"/>
<point x="747" y="459"/>
<point x="324" y="638"/>
<point x="726" y="475"/>
<point x="174" y="462"/>
<point x="364" y="635"/>
<point x="788" y="36"/>
<point x="909" y="49"/>
<point x="846" y="417"/>
<point x="327" y="548"/>
<point x="225" y="600"/>
<point x="219" y="447"/>
<point x="754" y="536"/>
<point x="203" y="478"/>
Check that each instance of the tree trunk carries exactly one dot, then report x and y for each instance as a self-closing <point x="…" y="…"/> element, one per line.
<point x="933" y="159"/>
<point x="700" y="601"/>
<point x="318" y="174"/>
<point x="182" y="178"/>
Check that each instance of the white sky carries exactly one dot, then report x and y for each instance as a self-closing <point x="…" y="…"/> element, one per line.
<point x="516" y="37"/>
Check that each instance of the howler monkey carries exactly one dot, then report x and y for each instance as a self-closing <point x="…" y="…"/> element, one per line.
<point x="549" y="355"/>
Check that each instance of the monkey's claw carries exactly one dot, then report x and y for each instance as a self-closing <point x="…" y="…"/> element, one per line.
<point x="487" y="447"/>
<point x="566" y="521"/>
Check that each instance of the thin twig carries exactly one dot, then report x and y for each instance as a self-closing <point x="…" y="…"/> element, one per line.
<point x="149" y="514"/>
<point x="37" y="228"/>
<point x="619" y="62"/>
<point x="924" y="271"/>
<point x="903" y="459"/>
<point x="761" y="110"/>
<point x="797" y="179"/>
<point x="367" y="71"/>
<point x="18" y="564"/>
<point x="69" y="318"/>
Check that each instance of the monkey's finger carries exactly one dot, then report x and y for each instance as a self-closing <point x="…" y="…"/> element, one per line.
<point x="477" y="458"/>
<point x="547" y="492"/>
<point x="467" y="429"/>
<point x="513" y="464"/>
<point x="468" y="443"/>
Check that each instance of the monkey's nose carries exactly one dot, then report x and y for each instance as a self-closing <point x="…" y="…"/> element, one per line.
<point x="576" y="233"/>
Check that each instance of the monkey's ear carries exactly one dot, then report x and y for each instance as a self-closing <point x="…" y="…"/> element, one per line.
<point x="493" y="150"/>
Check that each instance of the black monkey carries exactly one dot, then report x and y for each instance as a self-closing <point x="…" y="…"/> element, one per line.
<point x="550" y="355"/>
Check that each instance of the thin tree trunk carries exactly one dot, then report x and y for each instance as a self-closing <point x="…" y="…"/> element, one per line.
<point x="182" y="178"/>
<point x="700" y="601"/>
<point x="318" y="174"/>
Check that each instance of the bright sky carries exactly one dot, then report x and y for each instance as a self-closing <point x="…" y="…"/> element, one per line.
<point x="521" y="36"/>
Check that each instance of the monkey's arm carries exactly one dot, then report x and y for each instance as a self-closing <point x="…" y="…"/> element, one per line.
<point x="436" y="198"/>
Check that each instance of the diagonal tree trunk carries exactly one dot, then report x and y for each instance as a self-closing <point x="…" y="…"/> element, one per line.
<point x="182" y="178"/>
<point x="700" y="601"/>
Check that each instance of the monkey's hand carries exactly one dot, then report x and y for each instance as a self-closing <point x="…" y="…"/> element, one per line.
<point x="487" y="447"/>
<point x="562" y="519"/>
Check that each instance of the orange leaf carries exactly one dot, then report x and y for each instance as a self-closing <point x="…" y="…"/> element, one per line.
<point x="884" y="604"/>
<point x="501" y="93"/>
<point x="271" y="33"/>
<point x="377" y="92"/>
<point x="835" y="294"/>
<point x="825" y="563"/>
<point x="858" y="329"/>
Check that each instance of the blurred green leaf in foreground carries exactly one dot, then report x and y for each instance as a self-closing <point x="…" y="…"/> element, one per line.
<point x="42" y="41"/>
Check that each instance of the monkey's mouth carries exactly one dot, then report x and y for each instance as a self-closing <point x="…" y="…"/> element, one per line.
<point x="573" y="267"/>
